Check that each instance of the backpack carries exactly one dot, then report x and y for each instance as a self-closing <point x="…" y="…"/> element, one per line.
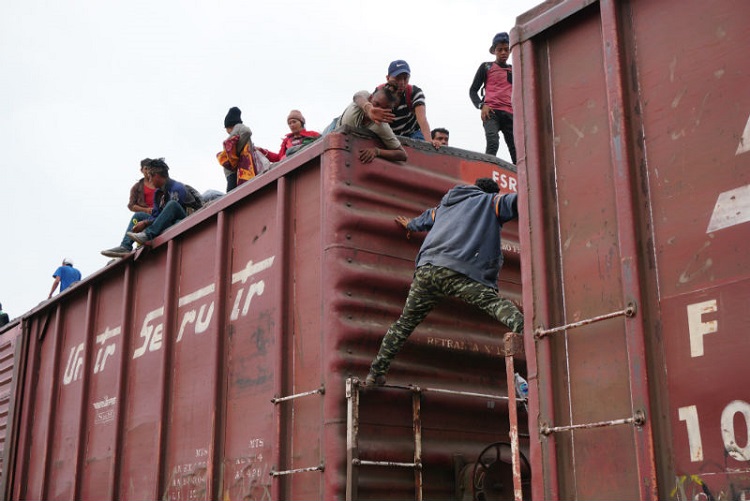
<point x="409" y="92"/>
<point x="197" y="202"/>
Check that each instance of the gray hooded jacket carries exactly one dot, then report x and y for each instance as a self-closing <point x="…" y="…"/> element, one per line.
<point x="464" y="232"/>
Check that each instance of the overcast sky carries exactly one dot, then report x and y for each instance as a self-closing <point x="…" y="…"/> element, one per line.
<point x="89" y="88"/>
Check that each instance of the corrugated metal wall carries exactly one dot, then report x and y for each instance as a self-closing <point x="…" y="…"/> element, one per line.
<point x="635" y="115"/>
<point x="155" y="377"/>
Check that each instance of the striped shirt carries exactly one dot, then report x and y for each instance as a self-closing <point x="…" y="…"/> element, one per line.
<point x="405" y="122"/>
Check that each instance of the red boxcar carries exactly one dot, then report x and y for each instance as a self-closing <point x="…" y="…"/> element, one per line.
<point x="634" y="122"/>
<point x="221" y="362"/>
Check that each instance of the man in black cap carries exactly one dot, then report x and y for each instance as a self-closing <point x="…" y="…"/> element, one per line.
<point x="173" y="201"/>
<point x="496" y="81"/>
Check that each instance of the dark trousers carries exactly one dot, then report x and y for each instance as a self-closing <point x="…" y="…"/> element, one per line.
<point x="499" y="121"/>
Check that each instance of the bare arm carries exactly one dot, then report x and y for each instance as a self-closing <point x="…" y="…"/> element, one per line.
<point x="424" y="126"/>
<point x="369" y="154"/>
<point x="377" y="115"/>
<point x="54" y="286"/>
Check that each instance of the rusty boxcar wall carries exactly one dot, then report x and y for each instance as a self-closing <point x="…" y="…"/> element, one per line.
<point x="634" y="117"/>
<point x="154" y="378"/>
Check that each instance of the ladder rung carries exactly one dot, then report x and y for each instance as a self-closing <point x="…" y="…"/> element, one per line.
<point x="320" y="467"/>
<point x="638" y="420"/>
<point x="363" y="462"/>
<point x="628" y="312"/>
<point x="320" y="390"/>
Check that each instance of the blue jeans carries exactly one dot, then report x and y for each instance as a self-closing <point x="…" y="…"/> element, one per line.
<point x="329" y="128"/>
<point x="417" y="134"/>
<point x="499" y="121"/>
<point x="169" y="215"/>
<point x="127" y="242"/>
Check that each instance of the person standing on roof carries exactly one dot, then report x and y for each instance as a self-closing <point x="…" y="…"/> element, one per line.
<point x="460" y="257"/>
<point x="173" y="201"/>
<point x="496" y="79"/>
<point x="410" y="114"/>
<point x="237" y="154"/>
<point x="297" y="139"/>
<point x="4" y="319"/>
<point x="64" y="276"/>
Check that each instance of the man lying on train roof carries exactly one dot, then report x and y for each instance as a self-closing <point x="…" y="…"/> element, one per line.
<point x="355" y="116"/>
<point x="173" y="201"/>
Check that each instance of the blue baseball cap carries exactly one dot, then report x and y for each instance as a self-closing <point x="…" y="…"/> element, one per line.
<point x="398" y="67"/>
<point x="499" y="38"/>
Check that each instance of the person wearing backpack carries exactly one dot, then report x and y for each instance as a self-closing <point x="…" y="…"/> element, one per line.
<point x="410" y="114"/>
<point x="173" y="201"/>
<point x="495" y="79"/>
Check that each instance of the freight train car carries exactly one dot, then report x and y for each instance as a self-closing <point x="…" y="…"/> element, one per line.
<point x="633" y="118"/>
<point x="224" y="360"/>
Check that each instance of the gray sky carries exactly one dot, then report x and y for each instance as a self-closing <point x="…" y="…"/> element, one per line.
<point x="89" y="88"/>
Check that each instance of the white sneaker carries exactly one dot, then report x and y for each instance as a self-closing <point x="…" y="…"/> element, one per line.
<point x="140" y="237"/>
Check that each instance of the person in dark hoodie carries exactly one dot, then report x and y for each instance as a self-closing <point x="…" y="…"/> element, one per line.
<point x="460" y="257"/>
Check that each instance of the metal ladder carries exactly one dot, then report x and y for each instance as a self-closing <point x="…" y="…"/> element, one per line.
<point x="512" y="346"/>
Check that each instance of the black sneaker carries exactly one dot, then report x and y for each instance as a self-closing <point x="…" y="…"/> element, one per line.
<point x="375" y="379"/>
<point x="118" y="251"/>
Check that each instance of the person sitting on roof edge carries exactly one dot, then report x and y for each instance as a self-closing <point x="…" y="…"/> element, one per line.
<point x="65" y="276"/>
<point x="173" y="201"/>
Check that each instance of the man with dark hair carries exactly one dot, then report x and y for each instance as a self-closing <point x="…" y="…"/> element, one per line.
<point x="173" y="201"/>
<point x="495" y="79"/>
<point x="4" y="319"/>
<point x="356" y="116"/>
<point x="440" y="135"/>
<point x="460" y="257"/>
<point x="65" y="276"/>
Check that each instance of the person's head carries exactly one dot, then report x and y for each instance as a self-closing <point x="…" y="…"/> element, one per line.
<point x="67" y="262"/>
<point x="500" y="47"/>
<point x="384" y="98"/>
<point x="487" y="185"/>
<point x="158" y="171"/>
<point x="144" y="166"/>
<point x="398" y="74"/>
<point x="295" y="121"/>
<point x="234" y="117"/>
<point x="440" y="134"/>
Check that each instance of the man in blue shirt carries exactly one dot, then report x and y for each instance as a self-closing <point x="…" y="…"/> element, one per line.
<point x="460" y="257"/>
<point x="65" y="276"/>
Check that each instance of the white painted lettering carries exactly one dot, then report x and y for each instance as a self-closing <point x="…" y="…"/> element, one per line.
<point x="105" y="350"/>
<point x="727" y="430"/>
<point x="74" y="366"/>
<point x="689" y="414"/>
<point x="697" y="327"/>
<point x="147" y="330"/>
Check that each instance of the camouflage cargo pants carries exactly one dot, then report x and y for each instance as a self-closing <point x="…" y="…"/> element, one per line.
<point x="430" y="285"/>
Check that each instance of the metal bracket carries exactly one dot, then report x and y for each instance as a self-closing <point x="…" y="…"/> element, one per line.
<point x="321" y="390"/>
